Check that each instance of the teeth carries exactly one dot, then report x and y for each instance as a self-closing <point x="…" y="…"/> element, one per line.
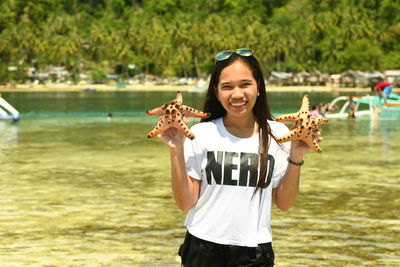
<point x="238" y="104"/>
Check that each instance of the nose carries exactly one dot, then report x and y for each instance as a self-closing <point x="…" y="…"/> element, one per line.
<point x="237" y="92"/>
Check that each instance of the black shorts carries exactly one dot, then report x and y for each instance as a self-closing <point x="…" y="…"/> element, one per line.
<point x="196" y="252"/>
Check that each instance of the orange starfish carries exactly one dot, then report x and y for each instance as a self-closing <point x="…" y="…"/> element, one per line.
<point x="304" y="126"/>
<point x="173" y="115"/>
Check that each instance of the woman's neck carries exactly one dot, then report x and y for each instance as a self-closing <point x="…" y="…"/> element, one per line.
<point x="243" y="128"/>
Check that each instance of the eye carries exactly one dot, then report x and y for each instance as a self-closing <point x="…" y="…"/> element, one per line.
<point x="246" y="84"/>
<point x="226" y="87"/>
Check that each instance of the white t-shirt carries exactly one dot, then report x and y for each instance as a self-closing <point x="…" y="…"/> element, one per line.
<point x="227" y="211"/>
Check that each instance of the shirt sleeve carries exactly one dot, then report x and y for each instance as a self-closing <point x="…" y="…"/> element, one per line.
<point x="193" y="158"/>
<point x="281" y="153"/>
<point x="281" y="163"/>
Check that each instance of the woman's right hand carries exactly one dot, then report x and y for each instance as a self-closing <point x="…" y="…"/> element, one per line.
<point x="172" y="137"/>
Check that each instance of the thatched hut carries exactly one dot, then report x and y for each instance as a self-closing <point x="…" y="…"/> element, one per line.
<point x="318" y="78"/>
<point x="301" y="78"/>
<point x="281" y="78"/>
<point x="352" y="78"/>
<point x="393" y="76"/>
<point x="373" y="77"/>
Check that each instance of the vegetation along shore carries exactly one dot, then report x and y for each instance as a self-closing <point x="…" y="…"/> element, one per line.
<point x="180" y="38"/>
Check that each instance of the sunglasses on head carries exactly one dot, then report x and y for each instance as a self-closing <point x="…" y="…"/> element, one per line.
<point x="246" y="52"/>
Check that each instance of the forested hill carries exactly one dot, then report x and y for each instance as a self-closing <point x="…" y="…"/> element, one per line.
<point x="180" y="37"/>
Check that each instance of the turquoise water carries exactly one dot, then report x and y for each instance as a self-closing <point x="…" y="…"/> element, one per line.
<point x="80" y="190"/>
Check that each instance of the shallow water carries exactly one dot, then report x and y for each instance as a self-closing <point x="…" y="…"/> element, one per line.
<point x="79" y="190"/>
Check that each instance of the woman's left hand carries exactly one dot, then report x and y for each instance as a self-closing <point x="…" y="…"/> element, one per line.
<point x="300" y="147"/>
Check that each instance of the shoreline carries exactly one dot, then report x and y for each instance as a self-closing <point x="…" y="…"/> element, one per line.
<point x="170" y="87"/>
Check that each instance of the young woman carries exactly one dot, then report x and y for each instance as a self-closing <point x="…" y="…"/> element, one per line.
<point x="228" y="176"/>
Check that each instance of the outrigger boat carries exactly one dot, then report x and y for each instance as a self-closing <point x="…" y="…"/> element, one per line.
<point x="8" y="112"/>
<point x="372" y="106"/>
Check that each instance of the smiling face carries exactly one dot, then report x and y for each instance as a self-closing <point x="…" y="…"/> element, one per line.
<point x="237" y="91"/>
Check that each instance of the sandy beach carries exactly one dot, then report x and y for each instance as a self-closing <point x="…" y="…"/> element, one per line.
<point x="168" y="87"/>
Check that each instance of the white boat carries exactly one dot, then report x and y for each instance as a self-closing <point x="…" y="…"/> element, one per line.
<point x="366" y="106"/>
<point x="8" y="112"/>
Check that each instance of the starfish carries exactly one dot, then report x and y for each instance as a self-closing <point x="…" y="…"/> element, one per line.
<point x="173" y="115"/>
<point x="304" y="126"/>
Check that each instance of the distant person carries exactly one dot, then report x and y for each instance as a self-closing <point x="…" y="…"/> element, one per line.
<point x="384" y="90"/>
<point x="351" y="108"/>
<point x="321" y="110"/>
<point x="326" y="110"/>
<point x="110" y="116"/>
<point x="316" y="111"/>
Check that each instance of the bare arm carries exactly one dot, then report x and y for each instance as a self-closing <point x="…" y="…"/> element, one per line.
<point x="285" y="194"/>
<point x="184" y="188"/>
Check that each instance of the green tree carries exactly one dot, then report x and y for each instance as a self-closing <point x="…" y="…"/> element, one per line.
<point x="362" y="54"/>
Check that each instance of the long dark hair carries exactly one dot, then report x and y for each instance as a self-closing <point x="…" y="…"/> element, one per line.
<point x="260" y="109"/>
